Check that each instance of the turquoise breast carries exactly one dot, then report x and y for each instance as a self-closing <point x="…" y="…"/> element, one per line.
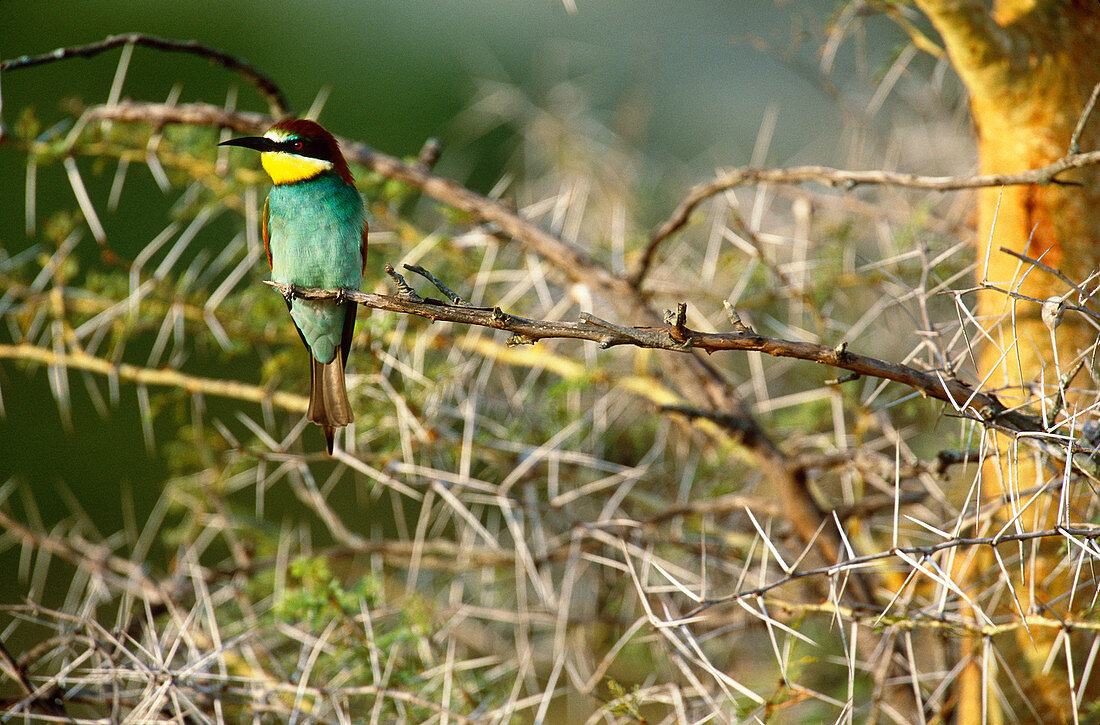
<point x="315" y="234"/>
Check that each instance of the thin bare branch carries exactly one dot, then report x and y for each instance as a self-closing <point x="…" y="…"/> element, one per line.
<point x="1090" y="533"/>
<point x="1075" y="139"/>
<point x="150" y="376"/>
<point x="275" y="98"/>
<point x="847" y="179"/>
<point x="938" y="385"/>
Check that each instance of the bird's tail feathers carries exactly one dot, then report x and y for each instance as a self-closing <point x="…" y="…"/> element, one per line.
<point x="328" y="397"/>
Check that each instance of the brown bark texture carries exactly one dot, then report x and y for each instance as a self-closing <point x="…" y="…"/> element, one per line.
<point x="1029" y="67"/>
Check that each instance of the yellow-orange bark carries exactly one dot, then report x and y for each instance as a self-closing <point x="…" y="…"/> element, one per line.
<point x="1029" y="67"/>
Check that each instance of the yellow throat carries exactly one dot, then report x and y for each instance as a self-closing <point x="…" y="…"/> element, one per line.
<point x="284" y="168"/>
<point x="287" y="168"/>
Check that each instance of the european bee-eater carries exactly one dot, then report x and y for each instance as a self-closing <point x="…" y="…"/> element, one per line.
<point x="315" y="235"/>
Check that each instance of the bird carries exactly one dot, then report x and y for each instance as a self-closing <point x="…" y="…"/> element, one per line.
<point x="315" y="235"/>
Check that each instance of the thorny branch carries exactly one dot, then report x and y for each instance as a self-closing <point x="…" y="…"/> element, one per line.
<point x="848" y="179"/>
<point x="675" y="337"/>
<point x="126" y="574"/>
<point x="1084" y="533"/>
<point x="1075" y="138"/>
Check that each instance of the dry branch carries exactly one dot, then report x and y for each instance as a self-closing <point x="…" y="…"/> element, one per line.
<point x="1086" y="533"/>
<point x="149" y="376"/>
<point x="275" y="98"/>
<point x="848" y="179"/>
<point x="676" y="338"/>
<point x="97" y="558"/>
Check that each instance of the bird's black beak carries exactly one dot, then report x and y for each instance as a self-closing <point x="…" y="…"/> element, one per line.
<point x="259" y="143"/>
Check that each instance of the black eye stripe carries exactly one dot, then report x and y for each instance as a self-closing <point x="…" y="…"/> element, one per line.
<point x="303" y="147"/>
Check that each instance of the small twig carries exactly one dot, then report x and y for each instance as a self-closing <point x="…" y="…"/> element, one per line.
<point x="403" y="289"/>
<point x="187" y="114"/>
<point x="13" y="670"/>
<point x="675" y="321"/>
<point x="1075" y="139"/>
<point x="1056" y="272"/>
<point x="451" y="294"/>
<point x="947" y="458"/>
<point x="429" y="154"/>
<point x="1028" y="298"/>
<point x="876" y="502"/>
<point x="1060" y="395"/>
<point x="275" y="98"/>
<point x="677" y="318"/>
<point x="721" y="505"/>
<point x="733" y="423"/>
<point x="736" y="319"/>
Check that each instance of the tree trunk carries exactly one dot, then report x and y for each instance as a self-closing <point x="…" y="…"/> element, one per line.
<point x="1029" y="67"/>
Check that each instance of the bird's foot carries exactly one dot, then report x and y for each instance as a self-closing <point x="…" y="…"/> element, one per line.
<point x="341" y="295"/>
<point x="290" y="293"/>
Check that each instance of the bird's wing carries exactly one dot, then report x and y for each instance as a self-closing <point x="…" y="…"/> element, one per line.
<point x="351" y="307"/>
<point x="267" y="238"/>
<point x="348" y="331"/>
<point x="363" y="249"/>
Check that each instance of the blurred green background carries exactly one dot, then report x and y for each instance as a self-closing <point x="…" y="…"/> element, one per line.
<point x="686" y="84"/>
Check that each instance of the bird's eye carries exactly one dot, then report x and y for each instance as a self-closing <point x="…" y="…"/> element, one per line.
<point x="296" y="145"/>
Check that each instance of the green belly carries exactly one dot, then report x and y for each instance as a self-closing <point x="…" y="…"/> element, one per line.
<point x="315" y="236"/>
